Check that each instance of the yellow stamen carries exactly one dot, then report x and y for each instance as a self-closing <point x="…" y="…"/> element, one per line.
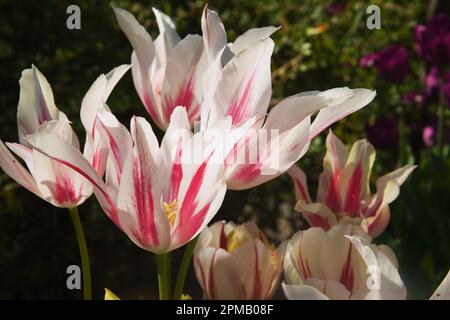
<point x="171" y="211"/>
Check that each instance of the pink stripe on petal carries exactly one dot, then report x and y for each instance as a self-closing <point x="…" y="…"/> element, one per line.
<point x="347" y="276"/>
<point x="332" y="199"/>
<point x="238" y="109"/>
<point x="316" y="220"/>
<point x="64" y="192"/>
<point x="176" y="176"/>
<point x="301" y="189"/>
<point x="151" y="109"/>
<point x="248" y="173"/>
<point x="352" y="199"/>
<point x="144" y="206"/>
<point x="185" y="98"/>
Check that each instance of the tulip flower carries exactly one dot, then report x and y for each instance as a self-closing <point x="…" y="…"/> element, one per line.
<point x="38" y="115"/>
<point x="161" y="196"/>
<point x="239" y="85"/>
<point x="340" y="264"/>
<point x="344" y="194"/>
<point x="166" y="72"/>
<point x="237" y="262"/>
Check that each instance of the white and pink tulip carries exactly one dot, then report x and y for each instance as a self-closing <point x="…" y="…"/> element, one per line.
<point x="340" y="264"/>
<point x="344" y="194"/>
<point x="38" y="115"/>
<point x="237" y="262"/>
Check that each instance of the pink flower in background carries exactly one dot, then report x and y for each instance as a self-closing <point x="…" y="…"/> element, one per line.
<point x="432" y="81"/>
<point x="429" y="135"/>
<point x="392" y="63"/>
<point x="340" y="264"/>
<point x="37" y="116"/>
<point x="237" y="262"/>
<point x="433" y="40"/>
<point x="239" y="85"/>
<point x="343" y="194"/>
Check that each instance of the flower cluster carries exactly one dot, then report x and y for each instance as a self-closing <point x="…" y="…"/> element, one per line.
<point x="163" y="194"/>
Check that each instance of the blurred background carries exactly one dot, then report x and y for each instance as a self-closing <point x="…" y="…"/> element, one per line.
<point x="321" y="45"/>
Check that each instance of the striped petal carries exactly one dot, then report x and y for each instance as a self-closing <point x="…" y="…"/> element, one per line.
<point x="142" y="216"/>
<point x="36" y="103"/>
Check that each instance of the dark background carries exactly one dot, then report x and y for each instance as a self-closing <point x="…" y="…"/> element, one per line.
<point x="37" y="240"/>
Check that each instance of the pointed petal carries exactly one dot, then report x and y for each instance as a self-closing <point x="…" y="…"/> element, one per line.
<point x="250" y="37"/>
<point x="36" y="103"/>
<point x="342" y="102"/>
<point x="12" y="167"/>
<point x="443" y="291"/>
<point x="244" y="87"/>
<point x="140" y="191"/>
<point x="214" y="35"/>
<point x="182" y="78"/>
<point x="142" y="59"/>
<point x="300" y="184"/>
<point x="354" y="178"/>
<point x="333" y="163"/>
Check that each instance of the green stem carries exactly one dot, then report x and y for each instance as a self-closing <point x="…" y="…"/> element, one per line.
<point x="87" y="284"/>
<point x="164" y="271"/>
<point x="184" y="268"/>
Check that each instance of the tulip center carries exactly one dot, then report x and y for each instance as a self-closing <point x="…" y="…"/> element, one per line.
<point x="171" y="211"/>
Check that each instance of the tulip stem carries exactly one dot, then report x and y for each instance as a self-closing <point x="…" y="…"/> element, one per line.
<point x="163" y="265"/>
<point x="184" y="268"/>
<point x="87" y="284"/>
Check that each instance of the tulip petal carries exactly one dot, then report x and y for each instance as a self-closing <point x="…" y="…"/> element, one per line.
<point x="302" y="292"/>
<point x="141" y="60"/>
<point x="142" y="216"/>
<point x="342" y="101"/>
<point x="182" y="84"/>
<point x="443" y="291"/>
<point x="214" y="35"/>
<point x="317" y="214"/>
<point x="66" y="154"/>
<point x="244" y="87"/>
<point x="15" y="170"/>
<point x="391" y="285"/>
<point x="300" y="184"/>
<point x="36" y="103"/>
<point x="168" y="37"/>
<point x="216" y="268"/>
<point x="250" y="37"/>
<point x="333" y="164"/>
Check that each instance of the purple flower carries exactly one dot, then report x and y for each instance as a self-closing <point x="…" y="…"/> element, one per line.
<point x="392" y="62"/>
<point x="383" y="134"/>
<point x="433" y="40"/>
